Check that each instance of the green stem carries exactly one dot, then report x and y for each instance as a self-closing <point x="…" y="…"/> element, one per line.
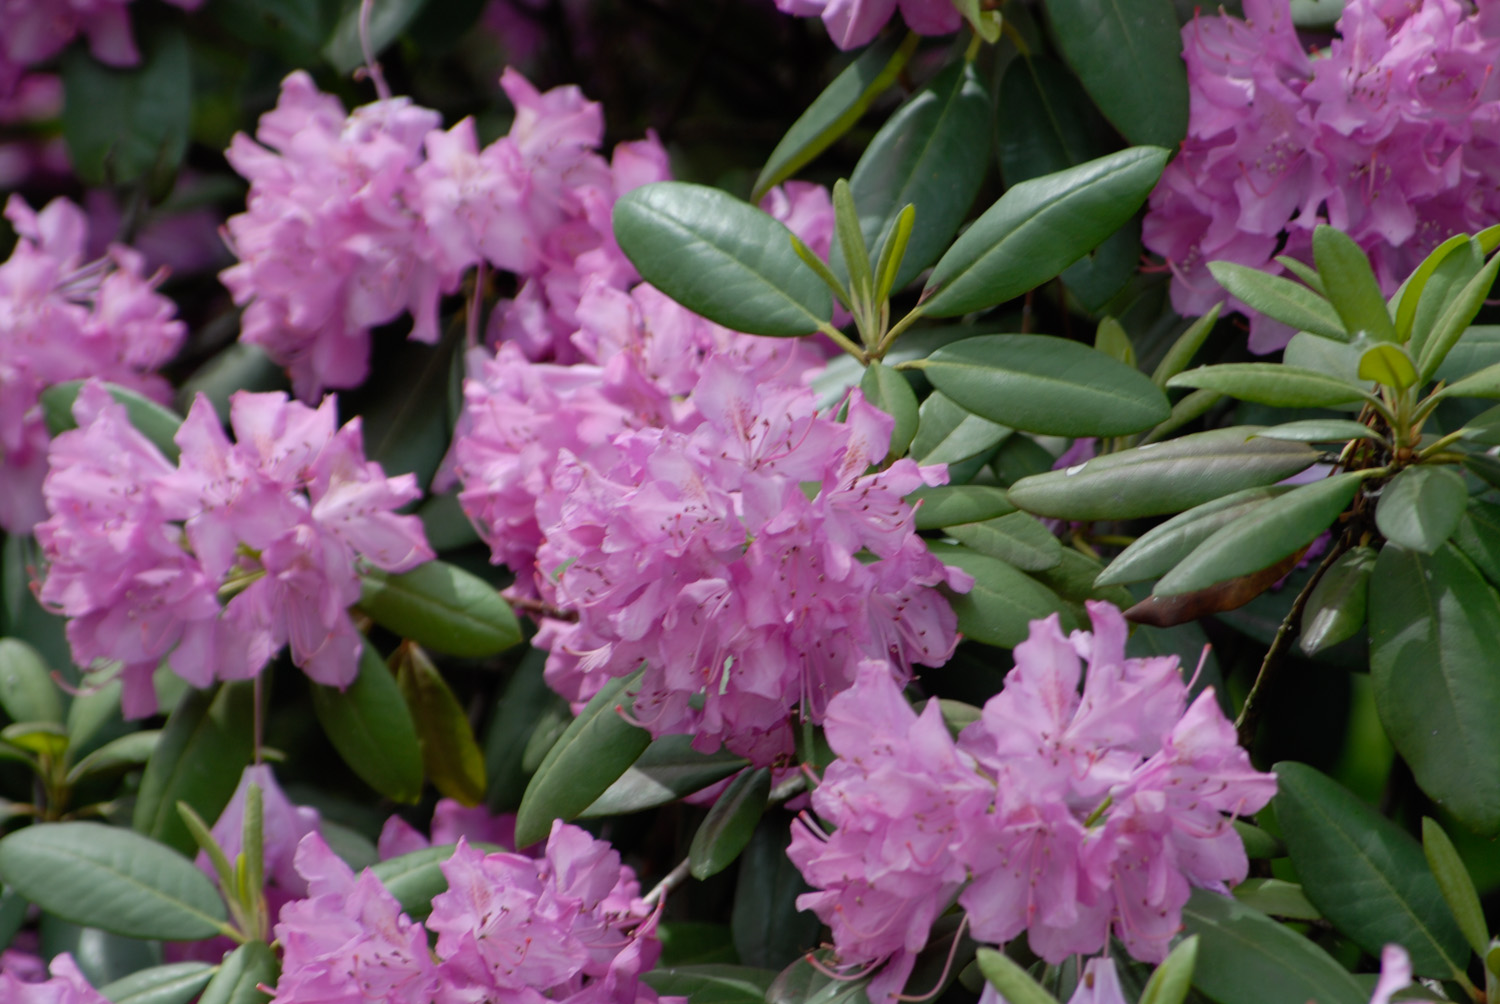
<point x="895" y="332"/>
<point x="1440" y="445"/>
<point x="843" y="341"/>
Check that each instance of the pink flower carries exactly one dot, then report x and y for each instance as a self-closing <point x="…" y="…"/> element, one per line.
<point x="66" y="986"/>
<point x="852" y="23"/>
<point x="451" y="820"/>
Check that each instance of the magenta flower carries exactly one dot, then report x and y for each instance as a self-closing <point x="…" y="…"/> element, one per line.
<point x="37" y="30"/>
<point x="65" y="986"/>
<point x="852" y="23"/>
<point x="217" y="563"/>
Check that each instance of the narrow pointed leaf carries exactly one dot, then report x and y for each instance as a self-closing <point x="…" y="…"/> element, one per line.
<point x="1277" y="898"/>
<point x="1456" y="884"/>
<point x="1013" y="982"/>
<point x="727" y="829"/>
<point x="851" y="242"/>
<point x="1281" y="299"/>
<point x="1040" y="227"/>
<point x="836" y="110"/>
<point x="949" y="505"/>
<point x="1003" y="602"/>
<point x="129" y="750"/>
<point x="712" y="984"/>
<point x="721" y="258"/>
<point x="1320" y="430"/>
<point x="893" y="253"/>
<point x="450" y="755"/>
<point x="1159" y="549"/>
<point x="372" y="729"/>
<point x="1419" y="508"/>
<point x="440" y="607"/>
<point x="948" y="433"/>
<point x="1433" y="621"/>
<point x="113" y="879"/>
<point x="1366" y="874"/>
<point x="1456" y="318"/>
<point x="595" y="749"/>
<point x="1163" y="477"/>
<point x="1275" y="384"/>
<point x="1452" y="274"/>
<point x="241" y="974"/>
<point x="891" y="392"/>
<point x="669" y="769"/>
<point x="1048" y="385"/>
<point x="1335" y="611"/>
<point x="1172" y="980"/>
<point x="174" y="983"/>
<point x="1264" y="536"/>
<point x="1111" y="339"/>
<point x="1413" y="288"/>
<point x="1017" y="539"/>
<point x="27" y="691"/>
<point x="1350" y="285"/>
<point x="1485" y="383"/>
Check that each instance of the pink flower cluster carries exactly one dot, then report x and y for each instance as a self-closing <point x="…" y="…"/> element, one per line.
<point x="37" y="30"/>
<point x="1059" y="813"/>
<point x="567" y="927"/>
<point x="684" y="505"/>
<point x="852" y="23"/>
<point x="65" y="986"/>
<point x="354" y="220"/>
<point x="143" y="555"/>
<point x="1391" y="135"/>
<point x="64" y="318"/>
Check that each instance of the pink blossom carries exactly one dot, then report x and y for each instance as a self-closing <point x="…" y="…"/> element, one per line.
<point x="37" y="30"/>
<point x="852" y="23"/>
<point x="66" y="986"/>
<point x="451" y="820"/>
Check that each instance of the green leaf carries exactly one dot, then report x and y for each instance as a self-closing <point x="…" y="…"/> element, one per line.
<point x="1453" y="321"/>
<point x="834" y="112"/>
<point x="1476" y="349"/>
<point x="1163" y="477"/>
<point x="129" y="750"/>
<point x="721" y="258"/>
<point x="1415" y="286"/>
<point x="948" y="434"/>
<point x="124" y="125"/>
<point x="1112" y="339"/>
<point x="522" y="706"/>
<point x="1339" y="360"/>
<point x="1017" y="539"/>
<point x="241" y="973"/>
<point x="594" y="751"/>
<point x="669" y="769"/>
<point x="1433" y="621"/>
<point x="851" y="244"/>
<point x="450" y="755"/>
<point x="1320" y="430"/>
<point x="893" y="252"/>
<point x="1049" y="122"/>
<point x="727" y="828"/>
<point x="208" y="740"/>
<point x="1245" y="957"/>
<point x="1335" y="611"/>
<point x="102" y="957"/>
<point x="1276" y="384"/>
<point x="1073" y="580"/>
<point x="769" y="931"/>
<point x="1128" y="57"/>
<point x="1172" y="980"/>
<point x="1011" y="980"/>
<point x="388" y="19"/>
<point x="1351" y="286"/>
<point x="1281" y="299"/>
<point x="416" y="877"/>
<point x="1419" y="508"/>
<point x="27" y="691"/>
<point x="441" y="607"/>
<point x="1276" y="898"/>
<point x="1478" y="537"/>
<point x="43" y="738"/>
<point x="1263" y="536"/>
<point x="1485" y="383"/>
<point x="1156" y="551"/>
<point x="370" y="726"/>
<point x="891" y="392"/>
<point x="1259" y="845"/>
<point x="113" y="879"/>
<point x="1453" y="879"/>
<point x="149" y="418"/>
<point x="175" y="983"/>
<point x="802" y="983"/>
<point x="712" y="984"/>
<point x="1451" y="275"/>
<point x="1388" y="365"/>
<point x="950" y="505"/>
<point x="1038" y="228"/>
<point x="1048" y="385"/>
<point x="1003" y="602"/>
<point x="924" y="156"/>
<point x="1364" y="873"/>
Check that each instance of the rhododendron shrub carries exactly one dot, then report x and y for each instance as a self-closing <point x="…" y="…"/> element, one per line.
<point x="776" y="537"/>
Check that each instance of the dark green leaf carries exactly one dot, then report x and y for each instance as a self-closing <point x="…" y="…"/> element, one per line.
<point x="925" y="156"/>
<point x="123" y="125"/>
<point x="294" y="29"/>
<point x="1155" y="552"/>
<point x="1478" y="537"/>
<point x="1038" y="228"/>
<point x="1350" y="285"/>
<point x="1433" y="621"/>
<point x="1457" y="886"/>
<point x="1453" y="321"/>
<point x="836" y="110"/>
<point x="111" y="878"/>
<point x="241" y="973"/>
<point x="1276" y="384"/>
<point x="712" y="984"/>
<point x="1476" y="349"/>
<point x="1419" y="508"/>
<point x="26" y="689"/>
<point x="669" y="769"/>
<point x="149" y="418"/>
<point x="441" y="607"/>
<point x="1245" y="957"/>
<point x="1335" y="611"/>
<point x="1046" y="385"/>
<point x="726" y="830"/>
<point x="1279" y="298"/>
<point x="1263" y="536"/>
<point x="130" y="750"/>
<point x="416" y="877"/>
<point x="1003" y="602"/>
<point x="388" y="20"/>
<point x="948" y="434"/>
<point x="769" y="930"/>
<point x="1320" y="430"/>
<point x="1048" y="124"/>
<point x="1013" y="982"/>
<point x="1276" y="898"/>
<point x="1017" y="539"/>
<point x="1101" y="273"/>
<point x="721" y="258"/>
<point x="595" y="750"/>
<point x="523" y="704"/>
<point x="370" y="726"/>
<point x="804" y="983"/>
<point x="891" y="392"/>
<point x="1259" y="845"/>
<point x="949" y="505"/>
<point x="450" y="756"/>
<point x="1484" y="383"/>
<point x="1073" y="578"/>
<point x="175" y="983"/>
<point x="1364" y="873"/>
<point x="1415" y="286"/>
<point x="1163" y="477"/>
<point x="208" y="740"/>
<point x="1452" y="274"/>
<point x="102" y="956"/>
